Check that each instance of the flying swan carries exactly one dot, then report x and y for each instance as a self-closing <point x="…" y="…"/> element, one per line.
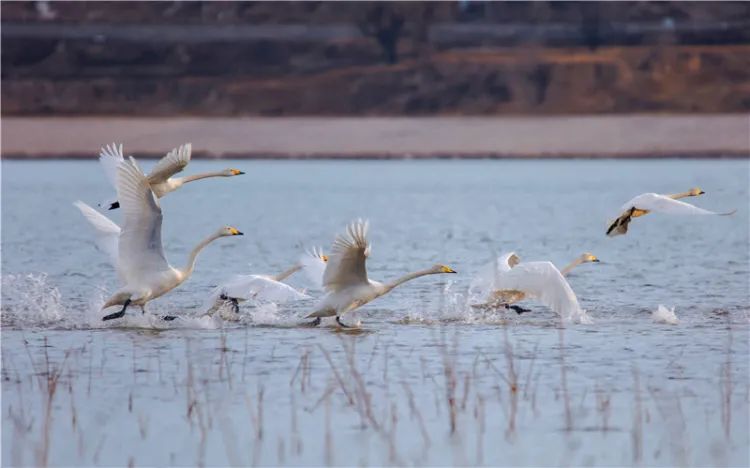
<point x="268" y="288"/>
<point x="648" y="202"/>
<point x="160" y="178"/>
<point x="345" y="277"/>
<point x="507" y="280"/>
<point x="142" y="267"/>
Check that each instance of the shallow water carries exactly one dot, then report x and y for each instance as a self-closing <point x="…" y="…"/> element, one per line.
<point x="522" y="390"/>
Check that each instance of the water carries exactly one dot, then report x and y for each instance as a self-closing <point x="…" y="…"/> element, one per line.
<point x="426" y="380"/>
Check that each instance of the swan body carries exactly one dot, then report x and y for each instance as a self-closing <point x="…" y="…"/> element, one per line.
<point x="507" y="280"/>
<point x="141" y="264"/>
<point x="161" y="178"/>
<point x="345" y="277"/>
<point x="267" y="288"/>
<point x="653" y="202"/>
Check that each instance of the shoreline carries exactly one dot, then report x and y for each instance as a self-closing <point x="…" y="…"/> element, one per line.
<point x="639" y="136"/>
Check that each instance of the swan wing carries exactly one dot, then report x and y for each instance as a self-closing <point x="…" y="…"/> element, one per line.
<point x="663" y="204"/>
<point x="484" y="281"/>
<point x="140" y="251"/>
<point x="110" y="157"/>
<point x="544" y="282"/>
<point x="314" y="266"/>
<point x="346" y="264"/>
<point x="257" y="288"/>
<point x="174" y="162"/>
<point x="107" y="232"/>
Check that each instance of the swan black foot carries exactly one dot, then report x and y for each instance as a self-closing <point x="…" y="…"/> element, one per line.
<point x="114" y="206"/>
<point x="341" y="324"/>
<point x="117" y="315"/>
<point x="169" y="318"/>
<point x="233" y="300"/>
<point x="519" y="310"/>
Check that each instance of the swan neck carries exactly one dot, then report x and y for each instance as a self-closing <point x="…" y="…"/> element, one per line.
<point x="408" y="277"/>
<point x="203" y="175"/>
<point x="677" y="196"/>
<point x="287" y="273"/>
<point x="188" y="270"/>
<point x="571" y="265"/>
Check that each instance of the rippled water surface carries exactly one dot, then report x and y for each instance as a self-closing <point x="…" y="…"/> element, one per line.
<point x="425" y="380"/>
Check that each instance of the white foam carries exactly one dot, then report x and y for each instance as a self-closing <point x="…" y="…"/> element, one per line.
<point x="665" y="315"/>
<point x="29" y="299"/>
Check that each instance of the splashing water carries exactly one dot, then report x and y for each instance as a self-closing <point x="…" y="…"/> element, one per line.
<point x="29" y="299"/>
<point x="665" y="315"/>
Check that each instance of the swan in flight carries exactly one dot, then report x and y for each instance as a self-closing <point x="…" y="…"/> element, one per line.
<point x="160" y="178"/>
<point x="507" y="281"/>
<point x="647" y="202"/>
<point x="345" y="277"/>
<point x="268" y="288"/>
<point x="142" y="266"/>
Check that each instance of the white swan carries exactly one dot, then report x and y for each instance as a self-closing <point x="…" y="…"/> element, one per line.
<point x="106" y="231"/>
<point x="648" y="202"/>
<point x="141" y="264"/>
<point x="345" y="278"/>
<point x="160" y="178"/>
<point x="507" y="280"/>
<point x="267" y="288"/>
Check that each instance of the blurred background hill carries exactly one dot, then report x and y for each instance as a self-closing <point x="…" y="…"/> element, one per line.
<point x="374" y="58"/>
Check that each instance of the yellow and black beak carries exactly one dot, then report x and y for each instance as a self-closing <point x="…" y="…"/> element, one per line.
<point x="235" y="232"/>
<point x="237" y="172"/>
<point x="701" y="192"/>
<point x="595" y="260"/>
<point x="447" y="269"/>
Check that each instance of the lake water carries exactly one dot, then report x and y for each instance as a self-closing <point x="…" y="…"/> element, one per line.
<point x="426" y="380"/>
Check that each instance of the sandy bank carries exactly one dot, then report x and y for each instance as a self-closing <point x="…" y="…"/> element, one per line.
<point x="559" y="136"/>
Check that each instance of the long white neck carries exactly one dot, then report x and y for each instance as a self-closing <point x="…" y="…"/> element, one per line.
<point x="287" y="273"/>
<point x="188" y="270"/>
<point x="676" y="196"/>
<point x="571" y="265"/>
<point x="408" y="277"/>
<point x="203" y="175"/>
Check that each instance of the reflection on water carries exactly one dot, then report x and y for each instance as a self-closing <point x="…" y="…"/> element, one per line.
<point x="425" y="380"/>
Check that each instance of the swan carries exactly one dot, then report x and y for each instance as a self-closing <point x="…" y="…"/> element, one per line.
<point x="160" y="178"/>
<point x="345" y="277"/>
<point x="507" y="281"/>
<point x="144" y="271"/>
<point x="268" y="288"/>
<point x="648" y="202"/>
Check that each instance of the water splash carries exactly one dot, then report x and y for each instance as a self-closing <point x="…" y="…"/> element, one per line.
<point x="29" y="299"/>
<point x="665" y="315"/>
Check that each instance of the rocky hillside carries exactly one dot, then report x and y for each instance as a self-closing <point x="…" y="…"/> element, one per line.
<point x="340" y="58"/>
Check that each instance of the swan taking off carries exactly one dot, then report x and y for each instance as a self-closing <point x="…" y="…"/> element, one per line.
<point x="160" y="178"/>
<point x="507" y="280"/>
<point x="268" y="288"/>
<point x="648" y="202"/>
<point x="345" y="277"/>
<point x="142" y="267"/>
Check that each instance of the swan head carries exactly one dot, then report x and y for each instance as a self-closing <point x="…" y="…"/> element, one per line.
<point x="513" y="260"/>
<point x="442" y="269"/>
<point x="694" y="192"/>
<point x="589" y="257"/>
<point x="229" y="231"/>
<point x="232" y="172"/>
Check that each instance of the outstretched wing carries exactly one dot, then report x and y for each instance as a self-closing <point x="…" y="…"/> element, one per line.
<point x="256" y="288"/>
<point x="110" y="157"/>
<point x="346" y="264"/>
<point x="663" y="204"/>
<point x="174" y="162"/>
<point x="106" y="232"/>
<point x="483" y="282"/>
<point x="544" y="282"/>
<point x="314" y="266"/>
<point x="140" y="249"/>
